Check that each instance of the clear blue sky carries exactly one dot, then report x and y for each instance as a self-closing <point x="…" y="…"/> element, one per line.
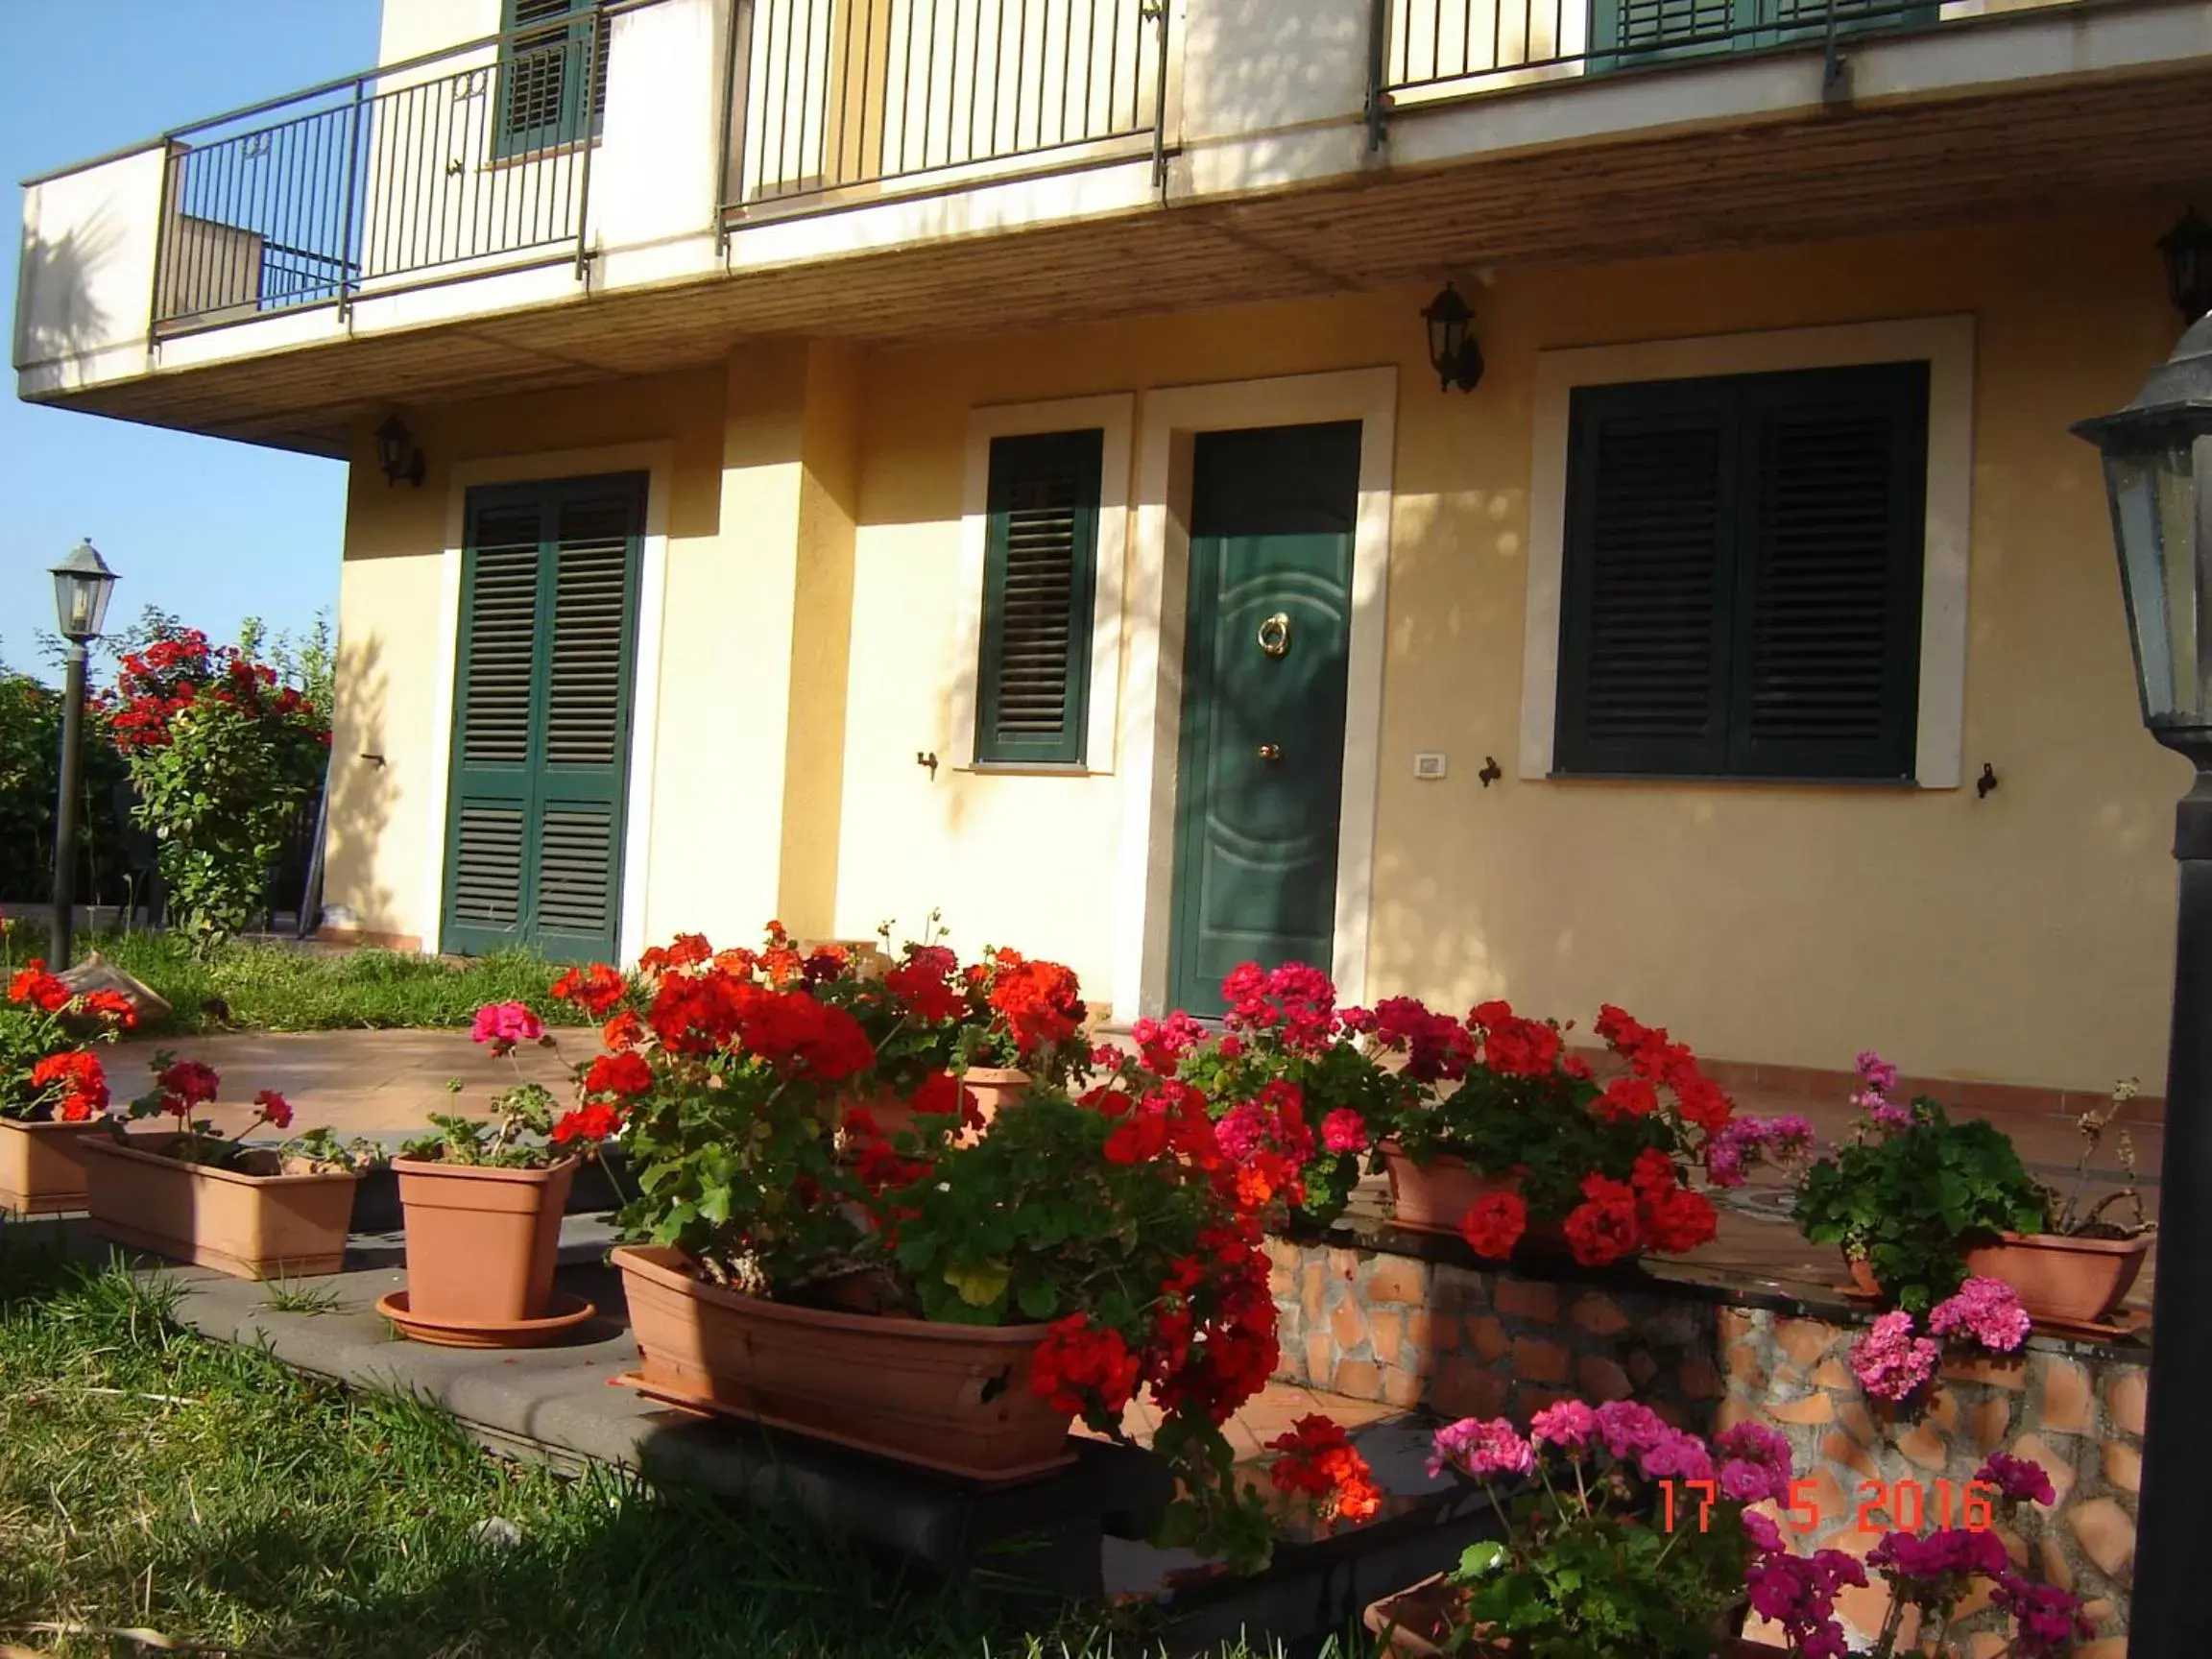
<point x="212" y="530"/>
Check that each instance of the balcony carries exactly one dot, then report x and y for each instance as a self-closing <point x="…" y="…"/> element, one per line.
<point x="632" y="186"/>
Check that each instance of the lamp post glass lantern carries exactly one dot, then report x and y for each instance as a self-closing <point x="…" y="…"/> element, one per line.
<point x="2158" y="476"/>
<point x="81" y="585"/>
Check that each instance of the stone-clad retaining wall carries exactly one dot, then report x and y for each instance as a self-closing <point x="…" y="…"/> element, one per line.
<point x="1424" y="1330"/>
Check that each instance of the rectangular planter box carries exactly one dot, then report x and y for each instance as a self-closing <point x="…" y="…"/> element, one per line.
<point x="42" y="1164"/>
<point x="249" y="1225"/>
<point x="954" y="1397"/>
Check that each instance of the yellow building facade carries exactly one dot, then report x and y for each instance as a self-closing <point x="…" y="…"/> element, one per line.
<point x="808" y="614"/>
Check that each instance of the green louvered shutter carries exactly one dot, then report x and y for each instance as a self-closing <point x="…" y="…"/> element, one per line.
<point x="1740" y="594"/>
<point x="541" y="731"/>
<point x="1643" y="671"/>
<point x="1040" y="576"/>
<point x="1827" y="671"/>
<point x="557" y="49"/>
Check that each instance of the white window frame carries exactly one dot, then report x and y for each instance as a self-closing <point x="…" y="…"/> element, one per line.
<point x="1114" y="415"/>
<point x="1945" y="344"/>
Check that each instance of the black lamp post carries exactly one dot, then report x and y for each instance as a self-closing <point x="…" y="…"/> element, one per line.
<point x="2158" y="472"/>
<point x="81" y="584"/>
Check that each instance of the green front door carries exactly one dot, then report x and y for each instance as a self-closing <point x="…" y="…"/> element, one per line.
<point x="542" y="718"/>
<point x="1267" y="642"/>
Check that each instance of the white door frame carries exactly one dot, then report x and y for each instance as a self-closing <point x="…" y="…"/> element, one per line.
<point x="1152" y="708"/>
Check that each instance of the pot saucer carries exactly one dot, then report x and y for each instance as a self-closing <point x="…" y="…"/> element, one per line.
<point x="569" y="1311"/>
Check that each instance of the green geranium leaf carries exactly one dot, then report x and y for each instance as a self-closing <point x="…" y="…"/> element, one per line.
<point x="979" y="1286"/>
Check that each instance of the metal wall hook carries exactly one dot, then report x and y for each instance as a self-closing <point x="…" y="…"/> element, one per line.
<point x="927" y="758"/>
<point x="1985" y="782"/>
<point x="1491" y="771"/>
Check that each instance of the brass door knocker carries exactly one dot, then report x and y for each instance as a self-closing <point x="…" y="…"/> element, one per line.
<point x="1275" y="635"/>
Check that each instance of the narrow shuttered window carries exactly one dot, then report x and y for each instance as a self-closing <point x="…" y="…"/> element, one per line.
<point x="555" y="51"/>
<point x="1040" y="575"/>
<point x="542" y="716"/>
<point x="1742" y="578"/>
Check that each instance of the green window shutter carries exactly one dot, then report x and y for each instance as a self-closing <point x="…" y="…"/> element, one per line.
<point x="496" y="713"/>
<point x="1828" y="667"/>
<point x="542" y="716"/>
<point x="557" y="48"/>
<point x="1740" y="594"/>
<point x="1040" y="575"/>
<point x="1642" y="654"/>
<point x="1626" y="34"/>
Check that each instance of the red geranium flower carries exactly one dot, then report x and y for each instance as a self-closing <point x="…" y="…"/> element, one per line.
<point x="1320" y="1461"/>
<point x="592" y="1123"/>
<point x="1678" y="1220"/>
<point x="1602" y="1229"/>
<point x="1494" y="1224"/>
<point x="275" y="1108"/>
<point x="920" y="985"/>
<point x="940" y="1094"/>
<point x="622" y="1073"/>
<point x="1077" y="1364"/>
<point x="189" y="1083"/>
<point x="595" y="989"/>
<point x="82" y="1085"/>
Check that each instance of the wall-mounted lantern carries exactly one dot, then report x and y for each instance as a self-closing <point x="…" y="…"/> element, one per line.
<point x="2187" y="250"/>
<point x="1453" y="351"/>
<point x="398" y="452"/>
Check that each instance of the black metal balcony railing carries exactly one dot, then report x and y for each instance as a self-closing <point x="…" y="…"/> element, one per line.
<point x="1492" y="44"/>
<point x="413" y="171"/>
<point x="825" y="94"/>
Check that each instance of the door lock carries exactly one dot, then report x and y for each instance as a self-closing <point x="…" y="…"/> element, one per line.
<point x="1270" y="751"/>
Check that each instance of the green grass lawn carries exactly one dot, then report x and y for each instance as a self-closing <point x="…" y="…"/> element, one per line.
<point x="270" y="987"/>
<point x="150" y="1479"/>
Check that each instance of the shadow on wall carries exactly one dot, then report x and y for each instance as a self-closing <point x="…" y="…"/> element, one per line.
<point x="56" y="315"/>
<point x="360" y="807"/>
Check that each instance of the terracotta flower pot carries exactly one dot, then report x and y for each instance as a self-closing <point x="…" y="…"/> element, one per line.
<point x="995" y="1087"/>
<point x="992" y="1086"/>
<point x="2071" y="1281"/>
<point x="259" y="1222"/>
<point x="481" y="1242"/>
<point x="42" y="1164"/>
<point x="949" y="1397"/>
<point x="1432" y="1198"/>
<point x="1416" y="1622"/>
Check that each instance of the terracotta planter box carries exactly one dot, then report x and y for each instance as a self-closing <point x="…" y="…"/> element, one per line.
<point x="42" y="1164"/>
<point x="949" y="1397"/>
<point x="2068" y="1281"/>
<point x="1432" y="1198"/>
<point x="2061" y="1280"/>
<point x="1416" y="1622"/>
<point x="481" y="1242"/>
<point x="265" y="1225"/>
